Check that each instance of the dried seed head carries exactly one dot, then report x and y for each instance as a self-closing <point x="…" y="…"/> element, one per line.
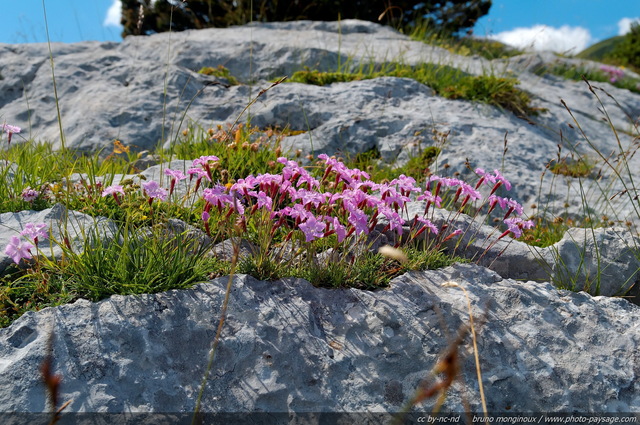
<point x="393" y="253"/>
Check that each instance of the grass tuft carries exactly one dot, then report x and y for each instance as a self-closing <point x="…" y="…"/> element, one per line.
<point x="446" y="81"/>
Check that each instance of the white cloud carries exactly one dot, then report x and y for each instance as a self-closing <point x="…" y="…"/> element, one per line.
<point x="624" y="25"/>
<point x="113" y="15"/>
<point x="565" y="39"/>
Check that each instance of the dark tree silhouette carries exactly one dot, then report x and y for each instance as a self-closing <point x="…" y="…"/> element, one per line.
<point x="446" y="16"/>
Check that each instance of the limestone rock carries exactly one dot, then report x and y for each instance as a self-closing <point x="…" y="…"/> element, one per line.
<point x="290" y="347"/>
<point x="602" y="261"/>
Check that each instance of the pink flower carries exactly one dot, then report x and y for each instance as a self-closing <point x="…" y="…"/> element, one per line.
<point x="395" y="221"/>
<point x="470" y="191"/>
<point x="516" y="225"/>
<point x="204" y="161"/>
<point x="499" y="177"/>
<point x="495" y="199"/>
<point x="405" y="184"/>
<point x="312" y="228"/>
<point x="506" y="204"/>
<point x="428" y="225"/>
<point x="452" y="235"/>
<point x="18" y="250"/>
<point x="496" y="179"/>
<point x="338" y="228"/>
<point x="112" y="190"/>
<point x="243" y="186"/>
<point x="292" y="171"/>
<point x="10" y="130"/>
<point x="29" y="195"/>
<point x="264" y="201"/>
<point x="615" y="74"/>
<point x="297" y="212"/>
<point x="358" y="219"/>
<point x="205" y="219"/>
<point x="428" y="196"/>
<point x="391" y="197"/>
<point x="175" y="174"/>
<point x="217" y="196"/>
<point x="199" y="172"/>
<point x="349" y="176"/>
<point x="310" y="197"/>
<point x="154" y="191"/>
<point x="34" y="231"/>
<point x="447" y="181"/>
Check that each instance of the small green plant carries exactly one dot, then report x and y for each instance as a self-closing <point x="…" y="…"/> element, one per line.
<point x="221" y="72"/>
<point x="318" y="78"/>
<point x="581" y="167"/>
<point x="241" y="149"/>
<point x="417" y="167"/>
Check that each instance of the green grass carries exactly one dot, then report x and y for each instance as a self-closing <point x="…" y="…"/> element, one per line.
<point x="242" y="151"/>
<point x="465" y="46"/>
<point x="446" y="81"/>
<point x="600" y="51"/>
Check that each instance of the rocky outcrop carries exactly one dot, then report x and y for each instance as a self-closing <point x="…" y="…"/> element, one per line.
<point x="290" y="347"/>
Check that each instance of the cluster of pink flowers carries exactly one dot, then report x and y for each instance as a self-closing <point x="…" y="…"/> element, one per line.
<point x="29" y="195"/>
<point x="343" y="201"/>
<point x="17" y="249"/>
<point x="615" y="73"/>
<point x="294" y="198"/>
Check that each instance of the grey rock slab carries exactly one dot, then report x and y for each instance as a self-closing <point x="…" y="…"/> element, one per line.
<point x="78" y="228"/>
<point x="605" y="261"/>
<point x="483" y="244"/>
<point x="290" y="347"/>
<point x="601" y="261"/>
<point x="225" y="249"/>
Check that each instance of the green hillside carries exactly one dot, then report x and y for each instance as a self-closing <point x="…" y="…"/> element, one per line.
<point x="599" y="50"/>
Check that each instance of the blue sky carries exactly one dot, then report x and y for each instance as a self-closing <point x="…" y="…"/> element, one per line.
<point x="560" y="25"/>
